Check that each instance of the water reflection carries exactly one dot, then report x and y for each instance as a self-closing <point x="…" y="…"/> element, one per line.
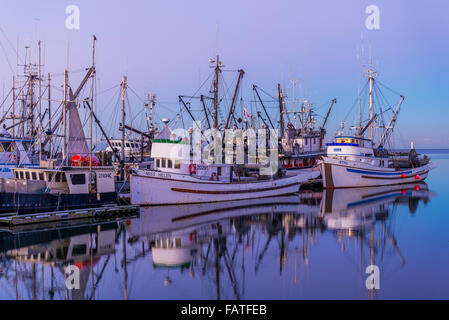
<point x="226" y="249"/>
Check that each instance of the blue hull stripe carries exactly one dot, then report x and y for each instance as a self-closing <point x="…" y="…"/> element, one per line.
<point x="378" y="173"/>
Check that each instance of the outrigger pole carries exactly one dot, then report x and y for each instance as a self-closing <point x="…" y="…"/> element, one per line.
<point x="392" y="122"/>
<point x="231" y="109"/>
<point x="328" y="113"/>
<point x="263" y="106"/>
<point x="205" y="110"/>
<point x="114" y="150"/>
<point x="368" y="125"/>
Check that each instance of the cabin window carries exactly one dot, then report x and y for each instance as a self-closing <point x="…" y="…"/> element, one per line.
<point x="163" y="163"/>
<point x="177" y="243"/>
<point x="16" y="174"/>
<point x="64" y="178"/>
<point x="79" y="250"/>
<point x="7" y="146"/>
<point x="127" y="144"/>
<point x="158" y="163"/>
<point x="219" y="171"/>
<point x="61" y="253"/>
<point x="21" y="174"/>
<point x="33" y="175"/>
<point x="58" y="177"/>
<point x="169" y="164"/>
<point x="27" y="175"/>
<point x="49" y="177"/>
<point x="78" y="179"/>
<point x="177" y="164"/>
<point x="41" y="176"/>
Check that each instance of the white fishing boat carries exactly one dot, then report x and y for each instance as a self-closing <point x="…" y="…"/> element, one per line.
<point x="355" y="161"/>
<point x="175" y="181"/>
<point x="179" y="177"/>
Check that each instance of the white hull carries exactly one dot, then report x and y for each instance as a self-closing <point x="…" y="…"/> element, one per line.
<point x="150" y="187"/>
<point x="339" y="173"/>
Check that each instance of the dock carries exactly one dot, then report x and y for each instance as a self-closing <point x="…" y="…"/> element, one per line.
<point x="106" y="212"/>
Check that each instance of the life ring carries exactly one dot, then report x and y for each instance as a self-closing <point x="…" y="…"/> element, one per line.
<point x="192" y="168"/>
<point x="12" y="155"/>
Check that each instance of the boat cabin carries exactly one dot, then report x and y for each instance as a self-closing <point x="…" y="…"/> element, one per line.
<point x="73" y="180"/>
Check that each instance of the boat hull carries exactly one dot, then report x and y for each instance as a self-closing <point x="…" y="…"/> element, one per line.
<point x="155" y="188"/>
<point x="23" y="203"/>
<point x="339" y="173"/>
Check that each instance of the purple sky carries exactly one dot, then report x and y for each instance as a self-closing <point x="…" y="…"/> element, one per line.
<point x="164" y="47"/>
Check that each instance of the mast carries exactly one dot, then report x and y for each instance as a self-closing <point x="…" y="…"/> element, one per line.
<point x="371" y="75"/>
<point x="122" y="162"/>
<point x="49" y="115"/>
<point x="64" y="120"/>
<point x="13" y="106"/>
<point x="281" y="109"/>
<point x="31" y="111"/>
<point x="152" y="104"/>
<point x="91" y="111"/>
<point x="217" y="70"/>
<point x="40" y="105"/>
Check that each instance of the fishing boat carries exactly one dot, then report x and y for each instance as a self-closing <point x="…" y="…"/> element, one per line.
<point x="72" y="180"/>
<point x="176" y="181"/>
<point x="301" y="144"/>
<point x="354" y="160"/>
<point x="177" y="177"/>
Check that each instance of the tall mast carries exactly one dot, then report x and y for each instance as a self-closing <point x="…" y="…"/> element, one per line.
<point x="371" y="114"/>
<point x="64" y="120"/>
<point x="31" y="110"/>
<point x="40" y="107"/>
<point x="281" y="109"/>
<point x="13" y="106"/>
<point x="152" y="101"/>
<point x="122" y="162"/>
<point x="49" y="115"/>
<point x="217" y="70"/>
<point x="91" y="110"/>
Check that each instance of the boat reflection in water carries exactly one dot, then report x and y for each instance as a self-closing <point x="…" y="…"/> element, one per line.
<point x="227" y="250"/>
<point x="33" y="260"/>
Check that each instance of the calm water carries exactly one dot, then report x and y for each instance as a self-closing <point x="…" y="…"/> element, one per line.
<point x="313" y="246"/>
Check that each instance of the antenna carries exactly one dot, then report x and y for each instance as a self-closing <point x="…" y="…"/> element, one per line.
<point x="216" y="41"/>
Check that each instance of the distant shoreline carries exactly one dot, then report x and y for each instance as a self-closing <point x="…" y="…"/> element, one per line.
<point x="430" y="150"/>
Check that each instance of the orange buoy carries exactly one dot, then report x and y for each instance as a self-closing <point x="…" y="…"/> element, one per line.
<point x="76" y="161"/>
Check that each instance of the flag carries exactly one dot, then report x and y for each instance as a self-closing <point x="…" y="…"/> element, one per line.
<point x="245" y="113"/>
